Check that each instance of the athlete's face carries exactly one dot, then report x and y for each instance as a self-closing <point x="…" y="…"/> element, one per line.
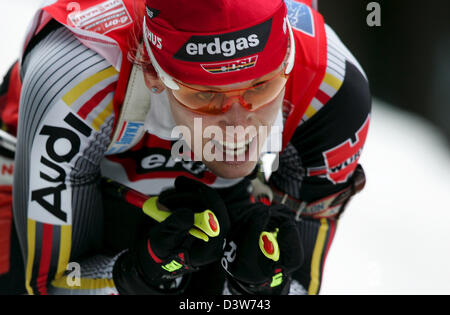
<point x="234" y="150"/>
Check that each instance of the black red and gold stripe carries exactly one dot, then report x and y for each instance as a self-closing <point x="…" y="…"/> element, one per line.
<point x="317" y="237"/>
<point x="48" y="254"/>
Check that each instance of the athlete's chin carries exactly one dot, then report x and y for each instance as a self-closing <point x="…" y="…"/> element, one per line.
<point x="231" y="170"/>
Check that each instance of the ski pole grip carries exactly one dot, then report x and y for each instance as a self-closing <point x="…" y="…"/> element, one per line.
<point x="205" y="223"/>
<point x="269" y="245"/>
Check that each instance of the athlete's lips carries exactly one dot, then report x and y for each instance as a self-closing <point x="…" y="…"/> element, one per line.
<point x="236" y="153"/>
<point x="233" y="145"/>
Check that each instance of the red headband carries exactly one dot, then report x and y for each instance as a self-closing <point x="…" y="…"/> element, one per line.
<point x="209" y="44"/>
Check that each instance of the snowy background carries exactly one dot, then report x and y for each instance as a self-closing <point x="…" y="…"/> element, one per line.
<point x="395" y="236"/>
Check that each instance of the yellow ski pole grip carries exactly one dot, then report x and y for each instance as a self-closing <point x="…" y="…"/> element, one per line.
<point x="269" y="245"/>
<point x="207" y="222"/>
<point x="204" y="228"/>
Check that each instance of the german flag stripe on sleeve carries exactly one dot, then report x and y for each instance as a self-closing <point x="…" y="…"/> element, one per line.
<point x="48" y="255"/>
<point x="333" y="79"/>
<point x="64" y="249"/>
<point x="92" y="98"/>
<point x="322" y="246"/>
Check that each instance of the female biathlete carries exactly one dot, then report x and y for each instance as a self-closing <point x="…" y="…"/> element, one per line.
<point x="179" y="100"/>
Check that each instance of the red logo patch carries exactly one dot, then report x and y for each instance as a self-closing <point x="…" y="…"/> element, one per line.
<point x="341" y="161"/>
<point x="102" y="18"/>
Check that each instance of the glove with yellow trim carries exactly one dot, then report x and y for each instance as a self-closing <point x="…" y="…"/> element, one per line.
<point x="262" y="250"/>
<point x="169" y="250"/>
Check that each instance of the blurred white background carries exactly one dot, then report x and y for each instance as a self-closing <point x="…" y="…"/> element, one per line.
<point x="395" y="236"/>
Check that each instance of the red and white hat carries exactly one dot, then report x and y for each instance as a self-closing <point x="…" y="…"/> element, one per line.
<point x="216" y="42"/>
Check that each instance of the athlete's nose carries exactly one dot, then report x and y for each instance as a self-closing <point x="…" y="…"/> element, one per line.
<point x="234" y="112"/>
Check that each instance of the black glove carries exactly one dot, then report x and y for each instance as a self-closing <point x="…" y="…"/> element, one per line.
<point x="250" y="271"/>
<point x="169" y="251"/>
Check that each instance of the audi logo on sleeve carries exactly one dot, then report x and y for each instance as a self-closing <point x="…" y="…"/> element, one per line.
<point x="58" y="143"/>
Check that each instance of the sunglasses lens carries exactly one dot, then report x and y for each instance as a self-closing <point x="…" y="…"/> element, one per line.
<point x="262" y="94"/>
<point x="215" y="103"/>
